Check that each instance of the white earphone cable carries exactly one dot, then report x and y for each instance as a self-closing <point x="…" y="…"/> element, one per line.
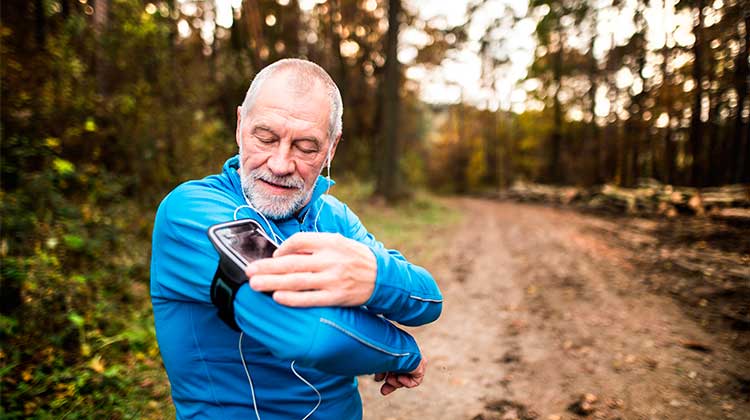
<point x="311" y="386"/>
<point x="249" y="380"/>
<point x="328" y="186"/>
<point x="277" y="240"/>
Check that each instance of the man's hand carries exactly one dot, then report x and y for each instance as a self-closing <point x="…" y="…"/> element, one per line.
<point x="394" y="381"/>
<point x="316" y="269"/>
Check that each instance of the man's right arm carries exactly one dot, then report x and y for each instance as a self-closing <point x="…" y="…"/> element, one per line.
<point x="344" y="341"/>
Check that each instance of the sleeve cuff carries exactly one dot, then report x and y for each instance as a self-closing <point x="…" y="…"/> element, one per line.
<point x="386" y="296"/>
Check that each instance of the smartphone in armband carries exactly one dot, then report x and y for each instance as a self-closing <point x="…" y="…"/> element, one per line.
<point x="238" y="243"/>
<point x="241" y="242"/>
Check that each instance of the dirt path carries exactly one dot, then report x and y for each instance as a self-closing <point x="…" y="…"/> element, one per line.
<point x="542" y="309"/>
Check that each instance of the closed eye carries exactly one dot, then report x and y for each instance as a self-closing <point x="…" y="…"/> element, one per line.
<point x="307" y="150"/>
<point x="266" y="139"/>
<point x="307" y="146"/>
<point x="265" y="134"/>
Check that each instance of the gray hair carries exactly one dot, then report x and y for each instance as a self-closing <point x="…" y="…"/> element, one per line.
<point x="306" y="72"/>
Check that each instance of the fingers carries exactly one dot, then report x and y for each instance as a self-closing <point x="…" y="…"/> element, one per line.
<point x="408" y="381"/>
<point x="304" y="242"/>
<point x="283" y="265"/>
<point x="394" y="381"/>
<point x="386" y="389"/>
<point x="291" y="281"/>
<point x="305" y="299"/>
<point x="391" y="384"/>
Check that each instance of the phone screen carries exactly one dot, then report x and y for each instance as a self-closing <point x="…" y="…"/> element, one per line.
<point x="246" y="242"/>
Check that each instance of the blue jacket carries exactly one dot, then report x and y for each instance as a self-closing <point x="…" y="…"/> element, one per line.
<point x="328" y="345"/>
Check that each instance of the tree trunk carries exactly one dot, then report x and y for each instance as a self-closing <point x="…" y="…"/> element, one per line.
<point x="593" y="128"/>
<point x="388" y="179"/>
<point x="101" y="23"/>
<point x="669" y="147"/>
<point x="338" y="68"/>
<point x="712" y="142"/>
<point x="623" y="154"/>
<point x="508" y="150"/>
<point x="254" y="24"/>
<point x="65" y="9"/>
<point x="669" y="156"/>
<point x="41" y="24"/>
<point x="712" y="153"/>
<point x="173" y="96"/>
<point x="696" y="125"/>
<point x="214" y="56"/>
<point x="742" y="129"/>
<point x="491" y="147"/>
<point x="339" y="74"/>
<point x="463" y="152"/>
<point x="556" y="137"/>
<point x="636" y="124"/>
<point x="634" y="137"/>
<point x="653" y="170"/>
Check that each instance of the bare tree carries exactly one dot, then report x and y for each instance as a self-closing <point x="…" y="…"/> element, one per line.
<point x="388" y="176"/>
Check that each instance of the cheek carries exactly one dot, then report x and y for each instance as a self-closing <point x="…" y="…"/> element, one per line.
<point x="309" y="172"/>
<point x="252" y="159"/>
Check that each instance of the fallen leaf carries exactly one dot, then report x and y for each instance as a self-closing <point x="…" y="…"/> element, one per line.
<point x="96" y="364"/>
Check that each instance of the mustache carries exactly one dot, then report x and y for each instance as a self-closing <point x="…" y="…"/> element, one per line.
<point x="290" y="181"/>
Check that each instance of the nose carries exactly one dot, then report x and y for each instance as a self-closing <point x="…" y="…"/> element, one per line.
<point x="280" y="163"/>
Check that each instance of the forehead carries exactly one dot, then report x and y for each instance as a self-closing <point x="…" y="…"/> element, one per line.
<point x="293" y="102"/>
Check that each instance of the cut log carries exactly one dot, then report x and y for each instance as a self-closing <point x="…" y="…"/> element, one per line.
<point x="730" y="202"/>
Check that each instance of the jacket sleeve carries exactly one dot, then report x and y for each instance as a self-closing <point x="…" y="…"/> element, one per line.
<point x="343" y="341"/>
<point x="404" y="292"/>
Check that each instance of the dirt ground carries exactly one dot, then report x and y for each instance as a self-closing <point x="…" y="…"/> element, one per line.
<point x="554" y="314"/>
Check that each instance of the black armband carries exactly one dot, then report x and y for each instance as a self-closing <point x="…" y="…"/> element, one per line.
<point x="224" y="287"/>
<point x="238" y="243"/>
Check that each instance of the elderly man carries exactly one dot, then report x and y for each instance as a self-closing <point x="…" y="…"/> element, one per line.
<point x="311" y="317"/>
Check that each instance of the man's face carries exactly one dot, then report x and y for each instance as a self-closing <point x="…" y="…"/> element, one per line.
<point x="283" y="145"/>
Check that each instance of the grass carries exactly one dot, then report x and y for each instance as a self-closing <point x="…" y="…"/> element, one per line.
<point x="406" y="226"/>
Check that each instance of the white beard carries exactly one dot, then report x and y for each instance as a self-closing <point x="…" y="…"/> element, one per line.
<point x="270" y="205"/>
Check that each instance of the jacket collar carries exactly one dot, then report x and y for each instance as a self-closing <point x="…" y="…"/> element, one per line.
<point x="322" y="184"/>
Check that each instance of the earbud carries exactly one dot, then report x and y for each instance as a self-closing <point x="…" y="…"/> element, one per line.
<point x="328" y="160"/>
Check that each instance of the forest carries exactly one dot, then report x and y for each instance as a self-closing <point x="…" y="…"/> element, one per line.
<point x="106" y="105"/>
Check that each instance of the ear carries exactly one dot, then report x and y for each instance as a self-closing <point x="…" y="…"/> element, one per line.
<point x="237" y="135"/>
<point x="335" y="145"/>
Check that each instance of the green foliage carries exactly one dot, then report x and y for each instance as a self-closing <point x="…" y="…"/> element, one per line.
<point x="76" y="328"/>
<point x="475" y="158"/>
<point x="78" y="335"/>
<point x="477" y="167"/>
